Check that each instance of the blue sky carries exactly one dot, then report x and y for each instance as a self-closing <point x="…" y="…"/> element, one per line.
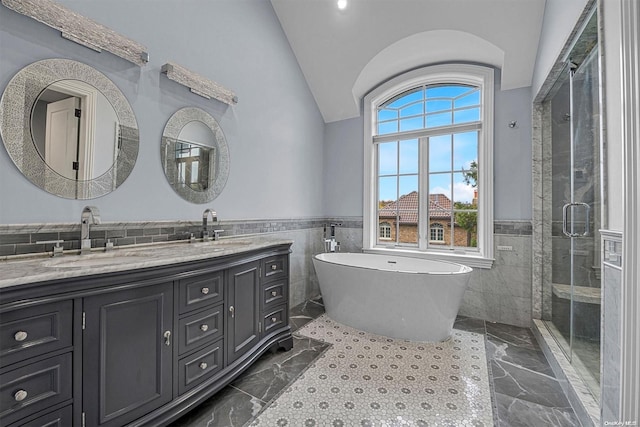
<point x="398" y="161"/>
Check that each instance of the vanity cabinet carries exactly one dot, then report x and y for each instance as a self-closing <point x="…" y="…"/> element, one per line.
<point x="138" y="347"/>
<point x="243" y="330"/>
<point x="127" y="354"/>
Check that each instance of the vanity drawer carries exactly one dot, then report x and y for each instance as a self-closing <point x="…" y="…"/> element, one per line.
<point x="199" y="366"/>
<point x="201" y="328"/>
<point x="275" y="267"/>
<point x="275" y="319"/>
<point x="34" y="387"/>
<point x="200" y="291"/>
<point x="60" y="418"/>
<point x="274" y="293"/>
<point x="29" y="332"/>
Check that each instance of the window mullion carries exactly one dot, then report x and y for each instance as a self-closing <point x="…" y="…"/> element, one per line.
<point x="424" y="219"/>
<point x="451" y="214"/>
<point x="398" y="192"/>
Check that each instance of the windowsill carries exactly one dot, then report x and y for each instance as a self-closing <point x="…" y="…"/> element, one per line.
<point x="471" y="260"/>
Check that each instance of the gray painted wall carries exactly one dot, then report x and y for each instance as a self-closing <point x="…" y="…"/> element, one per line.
<point x="275" y="132"/>
<point x="343" y="158"/>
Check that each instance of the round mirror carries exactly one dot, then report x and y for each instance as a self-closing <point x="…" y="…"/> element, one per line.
<point x="68" y="129"/>
<point x="195" y="156"/>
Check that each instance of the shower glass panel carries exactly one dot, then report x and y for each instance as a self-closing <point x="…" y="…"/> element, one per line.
<point x="573" y="115"/>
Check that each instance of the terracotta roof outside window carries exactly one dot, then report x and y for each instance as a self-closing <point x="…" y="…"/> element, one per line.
<point x="407" y="207"/>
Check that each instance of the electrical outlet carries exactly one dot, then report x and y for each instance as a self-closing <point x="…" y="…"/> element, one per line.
<point x="505" y="248"/>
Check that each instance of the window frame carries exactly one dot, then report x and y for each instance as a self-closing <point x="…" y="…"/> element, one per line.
<point x="387" y="227"/>
<point x="439" y="232"/>
<point x="465" y="74"/>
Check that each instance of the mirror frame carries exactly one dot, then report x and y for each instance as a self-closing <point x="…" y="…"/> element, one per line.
<point x="16" y="107"/>
<point x="168" y="148"/>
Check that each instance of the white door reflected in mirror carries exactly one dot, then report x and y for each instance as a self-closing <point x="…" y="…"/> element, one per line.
<point x="75" y="129"/>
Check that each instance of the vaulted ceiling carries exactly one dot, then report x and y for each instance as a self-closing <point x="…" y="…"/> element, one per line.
<point x="344" y="54"/>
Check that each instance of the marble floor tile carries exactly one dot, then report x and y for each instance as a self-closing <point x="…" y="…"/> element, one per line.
<point x="366" y="379"/>
<point x="229" y="407"/>
<point x="523" y="389"/>
<point x="524" y="357"/>
<point x="527" y="385"/>
<point x="514" y="335"/>
<point x="470" y="324"/>
<point x="273" y="372"/>
<point x="514" y="412"/>
<point x="304" y="313"/>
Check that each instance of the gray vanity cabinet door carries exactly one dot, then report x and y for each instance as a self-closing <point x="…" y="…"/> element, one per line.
<point x="243" y="305"/>
<point x="127" y="354"/>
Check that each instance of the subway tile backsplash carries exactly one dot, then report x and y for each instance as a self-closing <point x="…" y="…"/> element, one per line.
<point x="20" y="239"/>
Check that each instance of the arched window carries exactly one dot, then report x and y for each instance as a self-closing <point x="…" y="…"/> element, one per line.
<point x="429" y="157"/>
<point x="436" y="232"/>
<point x="385" y="230"/>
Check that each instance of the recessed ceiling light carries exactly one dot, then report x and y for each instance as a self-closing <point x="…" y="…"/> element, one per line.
<point x="342" y="4"/>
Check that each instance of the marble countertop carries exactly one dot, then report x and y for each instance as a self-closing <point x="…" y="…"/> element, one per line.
<point x="42" y="268"/>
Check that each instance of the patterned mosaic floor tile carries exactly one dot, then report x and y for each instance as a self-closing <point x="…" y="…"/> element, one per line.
<point x="370" y="380"/>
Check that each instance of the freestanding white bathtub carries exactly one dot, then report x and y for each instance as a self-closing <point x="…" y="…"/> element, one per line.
<point x="394" y="296"/>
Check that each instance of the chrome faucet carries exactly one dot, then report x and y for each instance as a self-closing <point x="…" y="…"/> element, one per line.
<point x="330" y="244"/>
<point x="205" y="229"/>
<point x="90" y="215"/>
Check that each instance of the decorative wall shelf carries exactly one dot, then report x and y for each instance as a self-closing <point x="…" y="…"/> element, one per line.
<point x="80" y="29"/>
<point x="198" y="84"/>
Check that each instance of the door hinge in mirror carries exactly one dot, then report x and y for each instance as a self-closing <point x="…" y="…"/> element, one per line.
<point x="75" y="166"/>
<point x="78" y="112"/>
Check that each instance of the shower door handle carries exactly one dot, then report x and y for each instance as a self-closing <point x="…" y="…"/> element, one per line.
<point x="565" y="220"/>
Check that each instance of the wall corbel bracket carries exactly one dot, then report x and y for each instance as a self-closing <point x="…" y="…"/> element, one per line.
<point x="80" y="29"/>
<point x="198" y="84"/>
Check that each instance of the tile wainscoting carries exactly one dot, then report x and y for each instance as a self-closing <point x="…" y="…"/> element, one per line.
<point x="502" y="294"/>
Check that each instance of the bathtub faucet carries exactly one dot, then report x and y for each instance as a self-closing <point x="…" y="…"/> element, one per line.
<point x="330" y="244"/>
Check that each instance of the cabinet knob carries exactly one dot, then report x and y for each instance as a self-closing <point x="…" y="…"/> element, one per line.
<point x="274" y="266"/>
<point x="204" y="291"/>
<point x="204" y="327"/>
<point x="20" y="395"/>
<point x="20" y="336"/>
<point x="203" y="366"/>
<point x="274" y="293"/>
<point x="274" y="319"/>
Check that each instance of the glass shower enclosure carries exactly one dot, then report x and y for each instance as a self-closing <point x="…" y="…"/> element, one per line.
<point x="573" y="118"/>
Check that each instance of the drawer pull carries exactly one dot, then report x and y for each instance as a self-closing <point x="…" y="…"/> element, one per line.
<point x="274" y="319"/>
<point x="274" y="293"/>
<point x="204" y="291"/>
<point x="20" y="336"/>
<point x="274" y="266"/>
<point x="204" y="327"/>
<point x="203" y="366"/>
<point x="20" y="395"/>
